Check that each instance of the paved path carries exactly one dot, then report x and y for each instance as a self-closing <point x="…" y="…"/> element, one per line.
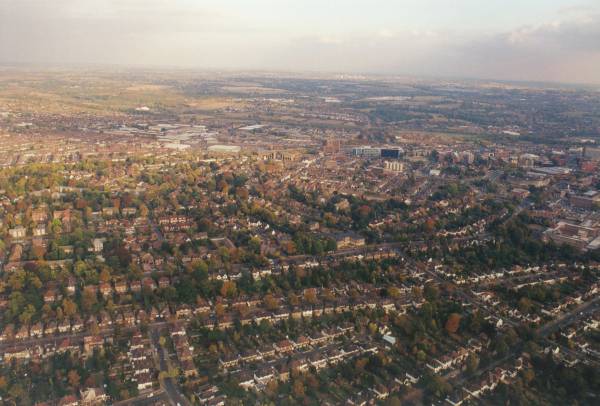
<point x="170" y="386"/>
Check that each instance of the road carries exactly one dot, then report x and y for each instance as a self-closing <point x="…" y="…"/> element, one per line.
<point x="170" y="385"/>
<point x="566" y="319"/>
<point x="156" y="398"/>
<point x="74" y="337"/>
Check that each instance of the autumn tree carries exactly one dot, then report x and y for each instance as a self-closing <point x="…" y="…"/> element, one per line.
<point x="298" y="389"/>
<point x="270" y="302"/>
<point x="472" y="363"/>
<point x="272" y="387"/>
<point x="69" y="307"/>
<point x="453" y="323"/>
<point x="310" y="295"/>
<point x="229" y="289"/>
<point x="88" y="299"/>
<point x="73" y="378"/>
<point x="105" y="275"/>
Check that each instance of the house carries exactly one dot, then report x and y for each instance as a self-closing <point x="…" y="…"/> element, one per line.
<point x="105" y="320"/>
<point x="188" y="368"/>
<point x="318" y="338"/>
<point x="69" y="400"/>
<point x="66" y="345"/>
<point x="149" y="283"/>
<point x="202" y="306"/>
<point x="183" y="311"/>
<point x="266" y="351"/>
<point x="177" y="329"/>
<point x="23" y="333"/>
<point x="67" y="249"/>
<point x="51" y="328"/>
<point x="128" y="211"/>
<point x="281" y="314"/>
<point x="109" y="211"/>
<point x="36" y="330"/>
<point x="16" y="353"/>
<point x="246" y="380"/>
<point x="105" y="289"/>
<point x="77" y="324"/>
<point x="284" y="346"/>
<point x="7" y="333"/>
<point x="164" y="282"/>
<point x="380" y="391"/>
<point x="264" y="375"/>
<point x="39" y="215"/>
<point x="228" y="361"/>
<point x="71" y="286"/>
<point x="18" y="232"/>
<point x="128" y="318"/>
<point x="39" y="230"/>
<point x="92" y="342"/>
<point x="93" y="397"/>
<point x="144" y="381"/>
<point x="50" y="296"/>
<point x="64" y="326"/>
<point x="97" y="245"/>
<point x="250" y="355"/>
<point x="121" y="287"/>
<point x="302" y="342"/>
<point x="349" y="240"/>
<point x="136" y="286"/>
<point x="317" y="360"/>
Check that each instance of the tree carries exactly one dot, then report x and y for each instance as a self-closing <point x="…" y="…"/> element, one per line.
<point x="94" y="328"/>
<point x="453" y="323"/>
<point x="69" y="307"/>
<point x="219" y="310"/>
<point x="298" y="389"/>
<point x="310" y="295"/>
<point x="525" y="305"/>
<point x="394" y="292"/>
<point x="27" y="314"/>
<point x="229" y="289"/>
<point x="293" y="299"/>
<point x="429" y="225"/>
<point x="437" y="385"/>
<point x="272" y="387"/>
<point x="500" y="346"/>
<point x="393" y="401"/>
<point x="472" y="363"/>
<point x="47" y="312"/>
<point x="88" y="299"/>
<point x="73" y="378"/>
<point x="270" y="302"/>
<point x="254" y="245"/>
<point x="361" y="363"/>
<point x="528" y="375"/>
<point x="105" y="275"/>
<point x="431" y="292"/>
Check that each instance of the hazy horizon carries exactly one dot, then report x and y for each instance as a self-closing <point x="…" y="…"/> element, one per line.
<point x="540" y="41"/>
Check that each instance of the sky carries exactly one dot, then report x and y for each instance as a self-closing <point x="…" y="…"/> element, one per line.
<point x="523" y="40"/>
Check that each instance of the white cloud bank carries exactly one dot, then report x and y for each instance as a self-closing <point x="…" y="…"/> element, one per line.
<point x="175" y="33"/>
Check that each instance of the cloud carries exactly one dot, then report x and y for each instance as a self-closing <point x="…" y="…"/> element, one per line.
<point x="561" y="51"/>
<point x="567" y="51"/>
<point x="210" y="35"/>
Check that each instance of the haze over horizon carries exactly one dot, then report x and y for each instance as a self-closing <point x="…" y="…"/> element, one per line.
<point x="542" y="40"/>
